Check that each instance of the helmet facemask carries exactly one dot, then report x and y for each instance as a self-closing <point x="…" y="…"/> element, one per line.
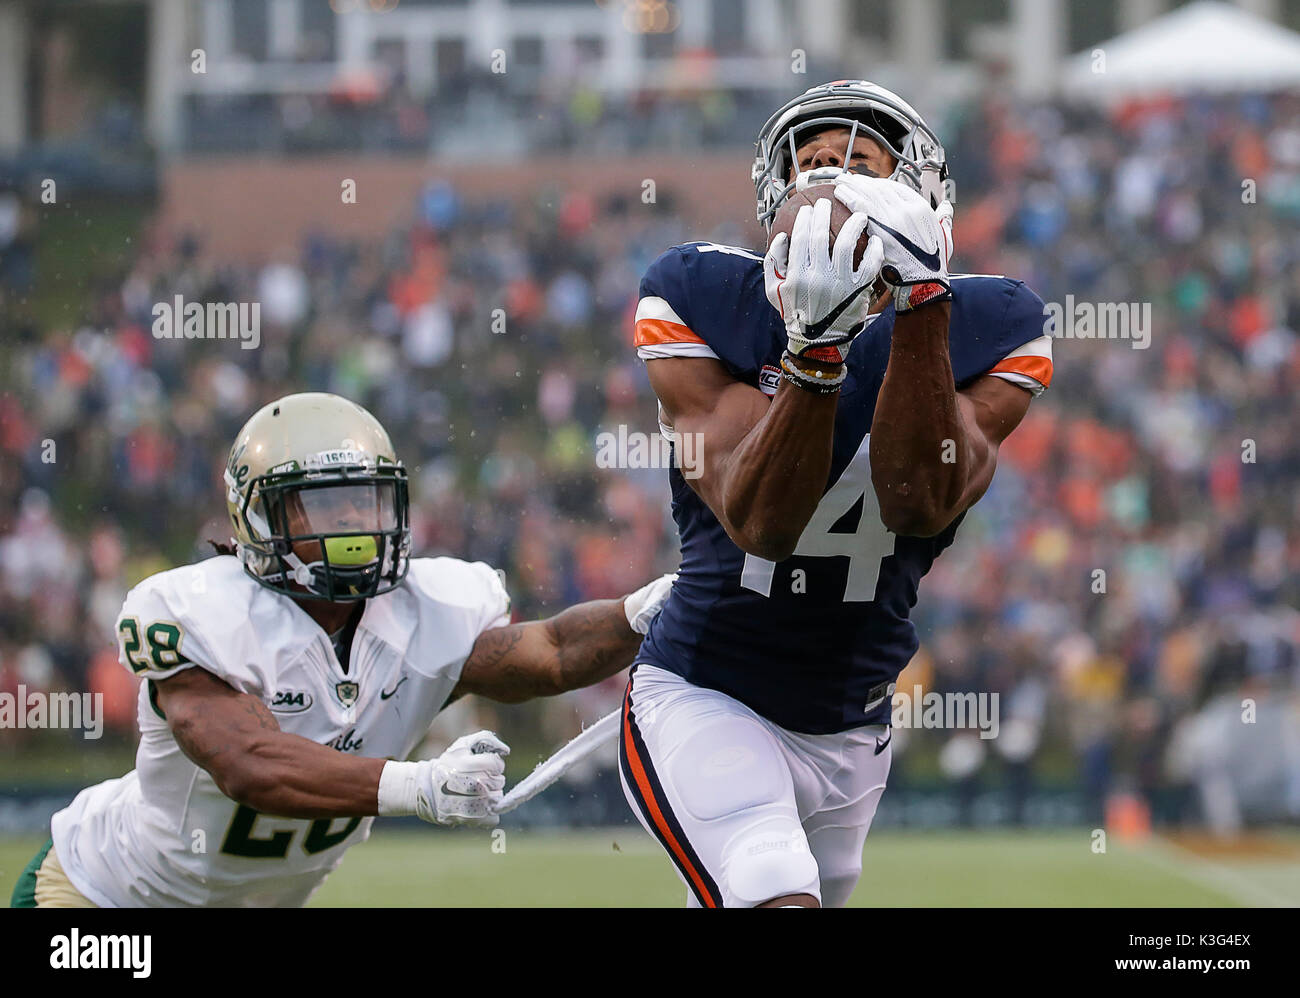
<point x="338" y="535"/>
<point x="863" y="109"/>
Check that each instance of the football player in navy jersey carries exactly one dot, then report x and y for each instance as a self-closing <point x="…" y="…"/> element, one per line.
<point x="846" y="414"/>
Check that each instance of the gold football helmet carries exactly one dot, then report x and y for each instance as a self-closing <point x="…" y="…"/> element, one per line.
<point x="318" y="500"/>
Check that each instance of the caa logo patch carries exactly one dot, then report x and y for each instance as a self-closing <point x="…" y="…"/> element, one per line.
<point x="290" y="701"/>
<point x="769" y="379"/>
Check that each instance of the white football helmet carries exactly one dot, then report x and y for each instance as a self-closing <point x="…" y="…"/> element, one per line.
<point x="864" y="108"/>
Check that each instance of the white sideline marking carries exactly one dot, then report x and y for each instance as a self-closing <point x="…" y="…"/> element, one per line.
<point x="1184" y="863"/>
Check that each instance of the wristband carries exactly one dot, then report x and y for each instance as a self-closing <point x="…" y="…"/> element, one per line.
<point x="399" y="784"/>
<point x="910" y="296"/>
<point x="641" y="606"/>
<point x="812" y="381"/>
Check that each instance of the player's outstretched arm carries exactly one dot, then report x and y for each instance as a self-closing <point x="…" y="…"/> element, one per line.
<point x="933" y="448"/>
<point x="236" y="739"/>
<point x="762" y="465"/>
<point x="580" y="646"/>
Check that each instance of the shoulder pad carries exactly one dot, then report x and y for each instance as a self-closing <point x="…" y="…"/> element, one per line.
<point x="184" y="617"/>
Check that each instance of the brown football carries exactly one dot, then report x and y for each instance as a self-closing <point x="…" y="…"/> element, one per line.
<point x="785" y="216"/>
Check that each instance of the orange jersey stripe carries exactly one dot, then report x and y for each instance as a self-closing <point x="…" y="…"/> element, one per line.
<point x="1038" y="368"/>
<point x="652" y="806"/>
<point x="653" y="332"/>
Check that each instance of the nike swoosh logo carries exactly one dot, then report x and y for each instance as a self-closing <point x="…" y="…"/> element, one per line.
<point x="931" y="260"/>
<point x="385" y="694"/>
<point x="817" y="328"/>
<point x="455" y="793"/>
<point x="881" y="746"/>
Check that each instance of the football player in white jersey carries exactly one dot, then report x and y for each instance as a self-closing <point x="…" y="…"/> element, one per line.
<point x="285" y="682"/>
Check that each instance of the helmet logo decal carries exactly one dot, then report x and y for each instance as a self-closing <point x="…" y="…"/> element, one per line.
<point x="239" y="472"/>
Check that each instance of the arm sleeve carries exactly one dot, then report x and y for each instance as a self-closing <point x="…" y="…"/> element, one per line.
<point x="1024" y="352"/>
<point x="663" y="323"/>
<point x="452" y="603"/>
<point x="494" y="609"/>
<point x="1029" y="366"/>
<point x="157" y="634"/>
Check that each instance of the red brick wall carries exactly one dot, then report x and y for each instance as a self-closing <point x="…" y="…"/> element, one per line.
<point x="250" y="208"/>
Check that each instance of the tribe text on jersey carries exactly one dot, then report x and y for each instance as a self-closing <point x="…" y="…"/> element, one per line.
<point x="815" y="642"/>
<point x="164" y="835"/>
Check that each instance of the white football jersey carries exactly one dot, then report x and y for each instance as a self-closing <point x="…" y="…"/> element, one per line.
<point x="164" y="835"/>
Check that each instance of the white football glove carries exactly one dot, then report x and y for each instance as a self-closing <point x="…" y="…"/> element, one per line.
<point x="463" y="786"/>
<point x="917" y="239"/>
<point x="644" y="605"/>
<point x="823" y="300"/>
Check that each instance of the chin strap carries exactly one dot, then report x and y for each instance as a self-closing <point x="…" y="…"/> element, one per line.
<point x="305" y="574"/>
<point x="302" y="573"/>
<point x="299" y="572"/>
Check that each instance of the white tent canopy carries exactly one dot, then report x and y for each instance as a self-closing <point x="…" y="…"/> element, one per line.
<point x="1207" y="47"/>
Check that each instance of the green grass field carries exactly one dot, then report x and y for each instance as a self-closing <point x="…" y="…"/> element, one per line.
<point x="623" y="868"/>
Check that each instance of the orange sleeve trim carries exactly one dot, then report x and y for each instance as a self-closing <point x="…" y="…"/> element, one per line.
<point x="1038" y="368"/>
<point x="653" y="332"/>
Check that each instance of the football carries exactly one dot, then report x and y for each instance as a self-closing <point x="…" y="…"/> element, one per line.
<point x="785" y="216"/>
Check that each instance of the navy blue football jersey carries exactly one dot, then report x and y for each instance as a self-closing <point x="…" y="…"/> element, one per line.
<point x="813" y="643"/>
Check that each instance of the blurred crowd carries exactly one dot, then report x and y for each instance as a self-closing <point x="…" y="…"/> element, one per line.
<point x="1137" y="560"/>
<point x="1129" y="585"/>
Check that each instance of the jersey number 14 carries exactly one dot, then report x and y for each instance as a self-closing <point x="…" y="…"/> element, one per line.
<point x="867" y="545"/>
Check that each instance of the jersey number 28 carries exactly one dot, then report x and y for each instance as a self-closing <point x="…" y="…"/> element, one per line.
<point x="240" y="840"/>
